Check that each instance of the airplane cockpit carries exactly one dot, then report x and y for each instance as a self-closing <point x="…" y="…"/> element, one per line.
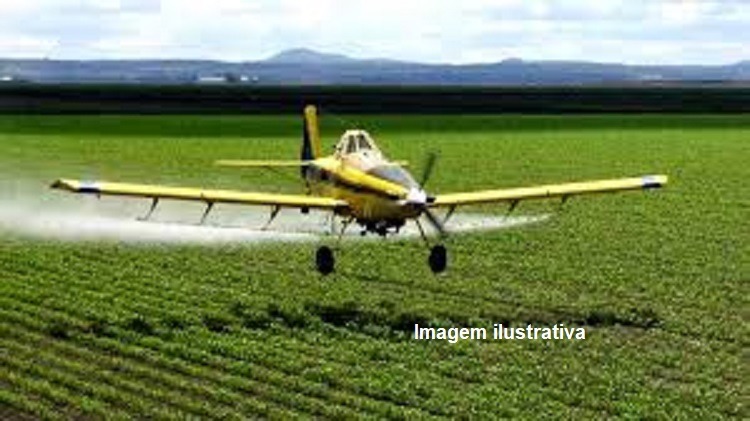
<point x="357" y="148"/>
<point x="357" y="142"/>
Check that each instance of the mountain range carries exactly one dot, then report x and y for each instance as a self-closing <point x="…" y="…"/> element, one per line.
<point x="309" y="67"/>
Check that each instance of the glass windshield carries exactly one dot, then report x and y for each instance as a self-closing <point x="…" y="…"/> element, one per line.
<point x="395" y="174"/>
<point x="363" y="142"/>
<point x="351" y="145"/>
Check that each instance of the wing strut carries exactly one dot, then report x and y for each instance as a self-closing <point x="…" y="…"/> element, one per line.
<point x="274" y="213"/>
<point x="563" y="201"/>
<point x="513" y="206"/>
<point x="344" y="225"/>
<point x="449" y="214"/>
<point x="209" y="206"/>
<point x="150" y="210"/>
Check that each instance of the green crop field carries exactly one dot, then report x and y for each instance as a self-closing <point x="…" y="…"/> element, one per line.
<point x="106" y="329"/>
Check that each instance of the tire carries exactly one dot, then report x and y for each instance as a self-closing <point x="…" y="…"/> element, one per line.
<point x="324" y="260"/>
<point x="438" y="259"/>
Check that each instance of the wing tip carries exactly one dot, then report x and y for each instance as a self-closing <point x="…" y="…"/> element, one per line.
<point x="76" y="186"/>
<point x="654" y="181"/>
<point x="226" y="163"/>
<point x="62" y="184"/>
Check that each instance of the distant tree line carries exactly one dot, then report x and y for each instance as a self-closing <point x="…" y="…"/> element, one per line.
<point x="235" y="99"/>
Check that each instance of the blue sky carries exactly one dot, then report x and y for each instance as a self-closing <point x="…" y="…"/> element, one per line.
<point x="463" y="31"/>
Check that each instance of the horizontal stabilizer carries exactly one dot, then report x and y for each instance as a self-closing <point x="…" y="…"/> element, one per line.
<point x="261" y="163"/>
<point x="398" y="163"/>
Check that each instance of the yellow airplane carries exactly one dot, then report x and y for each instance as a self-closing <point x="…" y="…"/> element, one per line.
<point x="358" y="184"/>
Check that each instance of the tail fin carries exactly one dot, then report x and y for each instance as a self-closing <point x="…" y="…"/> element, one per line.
<point x="310" y="135"/>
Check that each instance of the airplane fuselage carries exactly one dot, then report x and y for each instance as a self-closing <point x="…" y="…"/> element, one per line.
<point x="381" y="194"/>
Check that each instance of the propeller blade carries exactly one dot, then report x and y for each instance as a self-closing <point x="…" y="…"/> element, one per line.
<point x="435" y="222"/>
<point x="428" y="167"/>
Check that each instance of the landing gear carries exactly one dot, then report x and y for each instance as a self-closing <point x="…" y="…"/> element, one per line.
<point x="438" y="259"/>
<point x="324" y="260"/>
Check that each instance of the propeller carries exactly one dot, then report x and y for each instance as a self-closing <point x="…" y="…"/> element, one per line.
<point x="419" y="199"/>
<point x="428" y="167"/>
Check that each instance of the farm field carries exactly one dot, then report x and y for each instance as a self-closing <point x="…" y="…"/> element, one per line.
<point x="109" y="329"/>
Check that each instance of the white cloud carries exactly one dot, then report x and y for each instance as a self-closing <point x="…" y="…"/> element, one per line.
<point x="667" y="31"/>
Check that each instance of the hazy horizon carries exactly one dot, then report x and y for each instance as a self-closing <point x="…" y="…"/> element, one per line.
<point x="187" y="59"/>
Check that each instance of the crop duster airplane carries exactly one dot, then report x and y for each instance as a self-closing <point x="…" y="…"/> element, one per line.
<point x="358" y="184"/>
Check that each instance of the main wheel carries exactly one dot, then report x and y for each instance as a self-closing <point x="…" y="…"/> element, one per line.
<point x="438" y="259"/>
<point x="324" y="260"/>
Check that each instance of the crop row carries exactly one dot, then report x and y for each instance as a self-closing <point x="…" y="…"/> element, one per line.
<point x="156" y="387"/>
<point x="202" y="364"/>
<point x="290" y="356"/>
<point x="151" y="301"/>
<point x="236" y="351"/>
<point x="17" y="397"/>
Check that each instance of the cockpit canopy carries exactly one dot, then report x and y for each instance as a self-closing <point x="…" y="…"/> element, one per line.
<point x="357" y="148"/>
<point x="353" y="141"/>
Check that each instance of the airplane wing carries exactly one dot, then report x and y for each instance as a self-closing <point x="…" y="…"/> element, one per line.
<point x="566" y="190"/>
<point x="200" y="195"/>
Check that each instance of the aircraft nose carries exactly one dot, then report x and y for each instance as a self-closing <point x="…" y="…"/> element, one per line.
<point x="416" y="196"/>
